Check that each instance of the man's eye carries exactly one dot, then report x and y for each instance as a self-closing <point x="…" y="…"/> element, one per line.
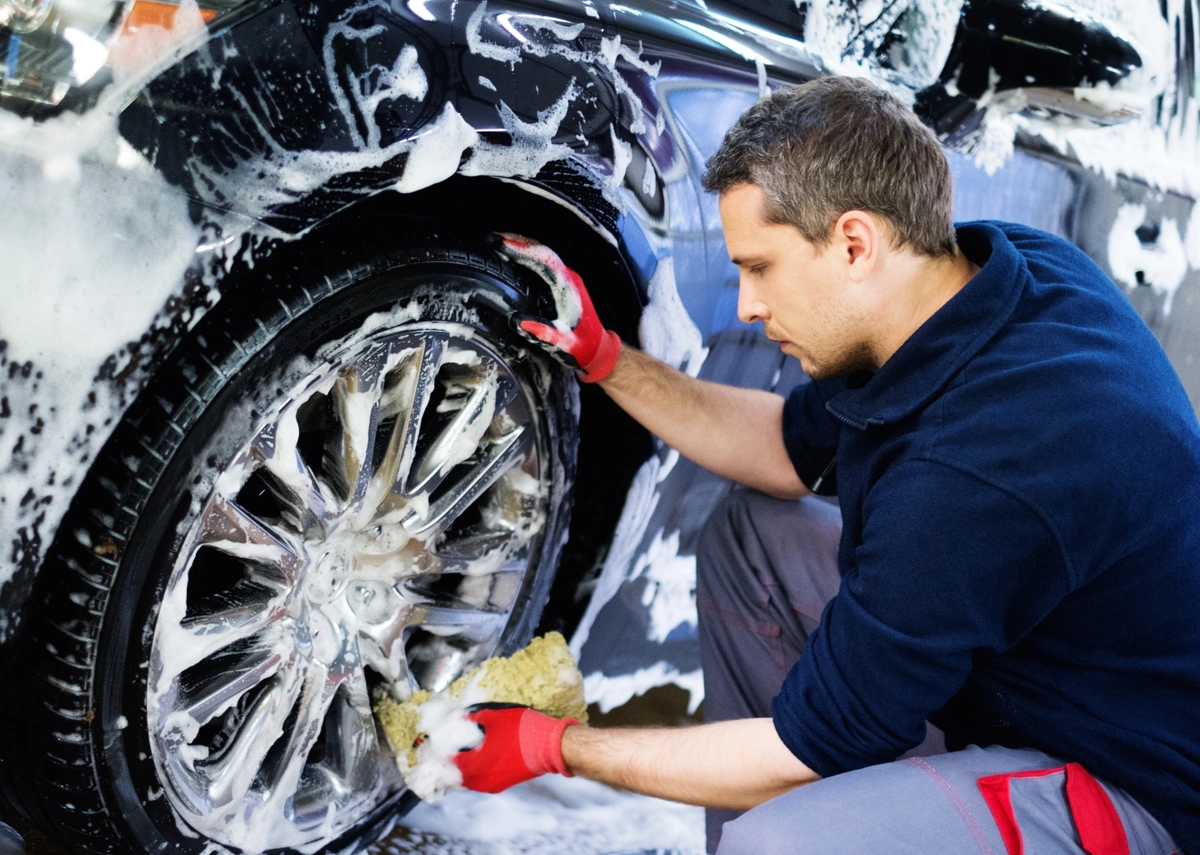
<point x="758" y="271"/>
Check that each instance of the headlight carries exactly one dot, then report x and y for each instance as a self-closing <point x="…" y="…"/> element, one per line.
<point x="49" y="47"/>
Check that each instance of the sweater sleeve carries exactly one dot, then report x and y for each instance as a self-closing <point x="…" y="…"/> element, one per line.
<point x="947" y="565"/>
<point x="810" y="433"/>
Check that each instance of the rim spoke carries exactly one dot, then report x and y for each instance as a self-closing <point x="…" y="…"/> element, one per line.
<point x="410" y="399"/>
<point x="350" y="447"/>
<point x="218" y="629"/>
<point x="284" y="776"/>
<point x="224" y="687"/>
<point x="351" y="737"/>
<point x="382" y="649"/>
<point x="229" y="528"/>
<point x="306" y="503"/>
<point x="503" y="455"/>
<point x="454" y="636"/>
<point x="460" y="438"/>
<point x="453" y="612"/>
<point x="492" y="592"/>
<point x="507" y="391"/>
<point x="498" y="557"/>
<point x="231" y="775"/>
<point x="471" y="547"/>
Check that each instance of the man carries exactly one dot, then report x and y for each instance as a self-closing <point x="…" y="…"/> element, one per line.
<point x="1018" y="471"/>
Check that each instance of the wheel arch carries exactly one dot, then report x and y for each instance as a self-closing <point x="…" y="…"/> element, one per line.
<point x="610" y="250"/>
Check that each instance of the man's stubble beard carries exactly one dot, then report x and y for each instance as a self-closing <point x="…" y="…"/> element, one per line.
<point x="854" y="357"/>
<point x="843" y="364"/>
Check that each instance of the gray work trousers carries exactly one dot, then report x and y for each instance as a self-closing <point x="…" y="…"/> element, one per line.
<point x="765" y="570"/>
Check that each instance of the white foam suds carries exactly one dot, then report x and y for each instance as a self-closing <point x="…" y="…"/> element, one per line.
<point x="844" y="35"/>
<point x="475" y="425"/>
<point x="142" y="51"/>
<point x="611" y="49"/>
<point x="436" y="153"/>
<point x="649" y="180"/>
<point x="666" y="330"/>
<point x="405" y="79"/>
<point x="532" y="145"/>
<point x="1168" y="159"/>
<point x="1161" y="264"/>
<point x="94" y="243"/>
<point x="477" y="45"/>
<point x="564" y="33"/>
<point x="255" y="552"/>
<point x="640" y="503"/>
<point x="608" y="693"/>
<point x="622" y="157"/>
<point x="281" y="175"/>
<point x="992" y="144"/>
<point x="1193" y="237"/>
<point x="447" y="731"/>
<point x="543" y="260"/>
<point x="551" y="814"/>
<point x="670" y="592"/>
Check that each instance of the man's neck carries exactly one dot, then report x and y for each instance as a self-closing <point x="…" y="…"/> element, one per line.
<point x="922" y="285"/>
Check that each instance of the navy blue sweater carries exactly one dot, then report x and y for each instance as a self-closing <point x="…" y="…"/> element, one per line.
<point x="1020" y="557"/>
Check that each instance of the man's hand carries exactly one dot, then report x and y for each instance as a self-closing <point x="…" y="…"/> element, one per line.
<point x="576" y="336"/>
<point x="519" y="743"/>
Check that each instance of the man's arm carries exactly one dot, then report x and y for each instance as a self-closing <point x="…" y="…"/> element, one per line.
<point x="734" y="432"/>
<point x="729" y="764"/>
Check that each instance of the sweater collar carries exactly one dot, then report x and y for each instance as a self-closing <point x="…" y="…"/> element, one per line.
<point x="941" y="346"/>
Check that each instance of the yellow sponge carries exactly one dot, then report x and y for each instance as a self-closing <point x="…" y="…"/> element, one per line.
<point x="543" y="676"/>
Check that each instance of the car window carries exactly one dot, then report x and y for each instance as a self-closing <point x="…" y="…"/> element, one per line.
<point x="706" y="113"/>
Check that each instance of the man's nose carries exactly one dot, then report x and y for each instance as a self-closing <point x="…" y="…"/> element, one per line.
<point x="749" y="307"/>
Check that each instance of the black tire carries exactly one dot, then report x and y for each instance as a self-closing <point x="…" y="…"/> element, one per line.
<point x="78" y="720"/>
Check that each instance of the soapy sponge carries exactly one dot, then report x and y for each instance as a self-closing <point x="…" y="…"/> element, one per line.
<point x="427" y="730"/>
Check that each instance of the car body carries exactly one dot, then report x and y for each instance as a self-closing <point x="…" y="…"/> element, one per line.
<point x="241" y="215"/>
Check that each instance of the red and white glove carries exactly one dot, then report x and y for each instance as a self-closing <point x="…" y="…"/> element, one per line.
<point x="576" y="337"/>
<point x="519" y="744"/>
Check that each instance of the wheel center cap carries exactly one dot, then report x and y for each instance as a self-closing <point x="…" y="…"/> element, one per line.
<point x="329" y="573"/>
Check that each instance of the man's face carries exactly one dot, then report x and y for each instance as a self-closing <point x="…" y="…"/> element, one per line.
<point x="801" y="292"/>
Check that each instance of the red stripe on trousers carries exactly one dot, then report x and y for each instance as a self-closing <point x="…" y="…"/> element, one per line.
<point x="1100" y="829"/>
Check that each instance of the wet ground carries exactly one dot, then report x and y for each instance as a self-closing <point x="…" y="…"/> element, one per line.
<point x="549" y="816"/>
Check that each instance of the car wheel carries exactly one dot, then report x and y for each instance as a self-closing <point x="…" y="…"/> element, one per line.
<point x="341" y="485"/>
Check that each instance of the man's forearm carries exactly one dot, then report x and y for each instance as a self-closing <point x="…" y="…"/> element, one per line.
<point x="730" y="764"/>
<point x="732" y="431"/>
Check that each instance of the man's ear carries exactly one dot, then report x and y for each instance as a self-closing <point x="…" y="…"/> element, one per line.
<point x="858" y="238"/>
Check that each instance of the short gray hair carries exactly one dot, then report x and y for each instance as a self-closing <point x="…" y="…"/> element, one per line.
<point x="839" y="144"/>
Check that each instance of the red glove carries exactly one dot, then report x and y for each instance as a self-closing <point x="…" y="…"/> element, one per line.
<point x="576" y="336"/>
<point x="519" y="743"/>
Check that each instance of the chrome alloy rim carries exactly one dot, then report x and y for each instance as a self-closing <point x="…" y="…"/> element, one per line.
<point x="373" y="535"/>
